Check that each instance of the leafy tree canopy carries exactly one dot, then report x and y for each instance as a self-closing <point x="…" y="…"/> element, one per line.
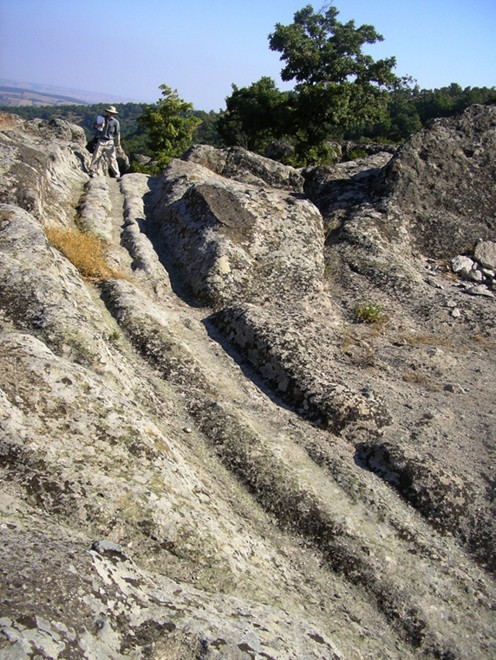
<point x="256" y="115"/>
<point x="338" y="85"/>
<point x="318" y="49"/>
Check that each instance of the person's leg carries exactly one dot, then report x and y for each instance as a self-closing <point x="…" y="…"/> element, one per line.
<point x="114" y="166"/>
<point x="97" y="156"/>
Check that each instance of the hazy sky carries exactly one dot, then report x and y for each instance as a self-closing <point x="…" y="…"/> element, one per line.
<point x="128" y="48"/>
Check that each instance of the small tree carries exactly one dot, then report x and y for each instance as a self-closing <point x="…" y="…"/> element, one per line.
<point x="170" y="125"/>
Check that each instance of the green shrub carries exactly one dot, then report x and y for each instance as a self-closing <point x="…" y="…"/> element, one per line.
<point x="369" y="313"/>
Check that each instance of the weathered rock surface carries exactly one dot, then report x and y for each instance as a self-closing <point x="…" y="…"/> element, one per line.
<point x="442" y="182"/>
<point x="242" y="165"/>
<point x="209" y="457"/>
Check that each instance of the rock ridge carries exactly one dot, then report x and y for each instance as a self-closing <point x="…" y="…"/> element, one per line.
<point x="209" y="456"/>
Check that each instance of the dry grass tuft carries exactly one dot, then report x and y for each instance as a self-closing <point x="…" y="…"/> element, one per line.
<point x="85" y="251"/>
<point x="413" y="339"/>
<point x="419" y="377"/>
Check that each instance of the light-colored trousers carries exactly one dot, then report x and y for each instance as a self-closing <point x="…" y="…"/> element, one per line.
<point x="106" y="147"/>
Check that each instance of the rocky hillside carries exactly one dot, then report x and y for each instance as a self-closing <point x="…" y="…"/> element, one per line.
<point x="266" y="429"/>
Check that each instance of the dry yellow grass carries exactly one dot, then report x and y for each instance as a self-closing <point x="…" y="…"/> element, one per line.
<point x="413" y="339"/>
<point x="85" y="251"/>
<point x="419" y="377"/>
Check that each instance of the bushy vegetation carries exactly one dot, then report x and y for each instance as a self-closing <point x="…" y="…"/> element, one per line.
<point x="410" y="108"/>
<point x="369" y="313"/>
<point x="135" y="135"/>
<point x="340" y="93"/>
<point x="169" y="126"/>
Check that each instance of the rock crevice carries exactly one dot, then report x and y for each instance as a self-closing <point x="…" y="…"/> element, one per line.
<point x="209" y="456"/>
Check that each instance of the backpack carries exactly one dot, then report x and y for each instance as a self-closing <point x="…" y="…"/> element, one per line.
<point x="91" y="145"/>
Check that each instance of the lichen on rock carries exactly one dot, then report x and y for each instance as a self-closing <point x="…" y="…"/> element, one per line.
<point x="210" y="456"/>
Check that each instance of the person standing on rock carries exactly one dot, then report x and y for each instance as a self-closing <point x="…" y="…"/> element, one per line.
<point x="109" y="140"/>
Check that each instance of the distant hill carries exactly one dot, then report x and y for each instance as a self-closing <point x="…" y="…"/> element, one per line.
<point x="15" y="94"/>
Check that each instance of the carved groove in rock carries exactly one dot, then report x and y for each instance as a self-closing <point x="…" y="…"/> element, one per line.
<point x="246" y="471"/>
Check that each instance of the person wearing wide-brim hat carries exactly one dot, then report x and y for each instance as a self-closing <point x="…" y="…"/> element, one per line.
<point x="108" y="134"/>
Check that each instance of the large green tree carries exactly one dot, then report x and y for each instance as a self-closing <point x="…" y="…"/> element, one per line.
<point x="338" y="85"/>
<point x="170" y="125"/>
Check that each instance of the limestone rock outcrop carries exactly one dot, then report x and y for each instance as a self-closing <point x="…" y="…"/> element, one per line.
<point x="206" y="454"/>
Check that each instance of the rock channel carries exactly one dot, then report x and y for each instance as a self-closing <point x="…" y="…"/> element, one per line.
<point x="205" y="455"/>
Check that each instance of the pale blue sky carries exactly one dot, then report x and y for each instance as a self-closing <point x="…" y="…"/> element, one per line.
<point x="128" y="48"/>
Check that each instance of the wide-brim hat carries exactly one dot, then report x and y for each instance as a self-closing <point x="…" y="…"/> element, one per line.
<point x="112" y="109"/>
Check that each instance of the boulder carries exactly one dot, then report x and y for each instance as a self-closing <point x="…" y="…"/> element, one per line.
<point x="434" y="198"/>
<point x="485" y="254"/>
<point x="442" y="179"/>
<point x="462" y="265"/>
<point x="244" y="166"/>
<point x="231" y="239"/>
